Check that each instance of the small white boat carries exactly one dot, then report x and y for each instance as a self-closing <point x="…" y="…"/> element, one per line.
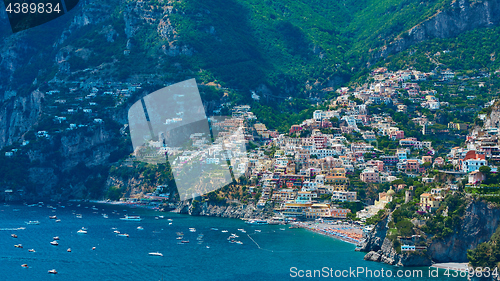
<point x="214" y="229"/>
<point x="53" y="217"/>
<point x="123" y="235"/>
<point x="179" y="238"/>
<point x="116" y="231"/>
<point x="169" y="219"/>
<point x="52" y="271"/>
<point x="54" y="243"/>
<point x="105" y="216"/>
<point x="156" y="254"/>
<point x="82" y="231"/>
<point x="24" y="265"/>
<point x="19" y="246"/>
<point x="131" y="218"/>
<point x="257" y="230"/>
<point x="78" y="216"/>
<point x="161" y="217"/>
<point x="192" y="229"/>
<point x="68" y="250"/>
<point x="56" y="238"/>
<point x="33" y="222"/>
<point x="58" y="220"/>
<point x="140" y="228"/>
<point x="32" y="251"/>
<point x="224" y="231"/>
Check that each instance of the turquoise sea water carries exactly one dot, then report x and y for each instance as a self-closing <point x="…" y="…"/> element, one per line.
<point x="269" y="256"/>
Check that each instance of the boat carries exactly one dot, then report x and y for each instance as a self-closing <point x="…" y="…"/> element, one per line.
<point x="82" y="231"/>
<point x="116" y="231"/>
<point x="256" y="222"/>
<point x="257" y="230"/>
<point x="234" y="235"/>
<point x="213" y="228"/>
<point x="24" y="265"/>
<point x="185" y="241"/>
<point x="78" y="216"/>
<point x="52" y="271"/>
<point x="18" y="245"/>
<point x="200" y="237"/>
<point x="140" y="228"/>
<point x="31" y="250"/>
<point x="239" y="242"/>
<point x="192" y="229"/>
<point x="13" y="236"/>
<point x="53" y="217"/>
<point x="131" y="218"/>
<point x="54" y="243"/>
<point x="179" y="238"/>
<point x="179" y="233"/>
<point x="169" y="223"/>
<point x="68" y="250"/>
<point x="161" y="217"/>
<point x="33" y="222"/>
<point x="56" y="238"/>
<point x="169" y="219"/>
<point x="58" y="220"/>
<point x="123" y="235"/>
<point x="156" y="254"/>
<point x="224" y="231"/>
<point x="282" y="229"/>
<point x="105" y="216"/>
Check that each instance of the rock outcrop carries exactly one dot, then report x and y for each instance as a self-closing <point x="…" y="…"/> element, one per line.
<point x="477" y="226"/>
<point x="463" y="15"/>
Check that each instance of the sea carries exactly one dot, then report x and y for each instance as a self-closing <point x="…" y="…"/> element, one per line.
<point x="266" y="252"/>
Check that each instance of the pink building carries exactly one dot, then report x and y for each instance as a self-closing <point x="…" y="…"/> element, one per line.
<point x="370" y="175"/>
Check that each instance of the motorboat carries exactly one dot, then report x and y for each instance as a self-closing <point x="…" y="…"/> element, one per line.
<point x="54" y="243"/>
<point x="192" y="229"/>
<point x="140" y="228"/>
<point x="68" y="250"/>
<point x="31" y="250"/>
<point x="105" y="216"/>
<point x="157" y="254"/>
<point x="33" y="222"/>
<point x="13" y="235"/>
<point x="123" y="235"/>
<point x="78" y="216"/>
<point x="56" y="238"/>
<point x="131" y="218"/>
<point x="18" y="245"/>
<point x="58" y="220"/>
<point x="257" y="222"/>
<point x="53" y="217"/>
<point x="82" y="231"/>
<point x="24" y="265"/>
<point x="224" y="231"/>
<point x="52" y="271"/>
<point x="214" y="229"/>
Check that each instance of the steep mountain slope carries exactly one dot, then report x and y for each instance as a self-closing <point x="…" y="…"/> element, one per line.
<point x="276" y="48"/>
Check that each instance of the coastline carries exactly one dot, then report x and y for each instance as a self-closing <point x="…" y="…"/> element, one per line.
<point x="347" y="233"/>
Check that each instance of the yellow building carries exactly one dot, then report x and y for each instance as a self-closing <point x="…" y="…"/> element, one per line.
<point x="336" y="183"/>
<point x="430" y="202"/>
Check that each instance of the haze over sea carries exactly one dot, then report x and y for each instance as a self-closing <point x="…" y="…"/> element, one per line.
<point x="276" y="248"/>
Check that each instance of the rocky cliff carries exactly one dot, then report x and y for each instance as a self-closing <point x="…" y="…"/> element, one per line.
<point x="463" y="15"/>
<point x="220" y="210"/>
<point x="477" y="226"/>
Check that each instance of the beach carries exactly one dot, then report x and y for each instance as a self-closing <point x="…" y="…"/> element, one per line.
<point x="346" y="232"/>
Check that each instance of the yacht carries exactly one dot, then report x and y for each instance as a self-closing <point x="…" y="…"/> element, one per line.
<point x="257" y="222"/>
<point x="131" y="218"/>
<point x="156" y="254"/>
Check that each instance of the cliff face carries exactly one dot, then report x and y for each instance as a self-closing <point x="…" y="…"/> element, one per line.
<point x="214" y="210"/>
<point x="464" y="15"/>
<point x="17" y="115"/>
<point x="477" y="226"/>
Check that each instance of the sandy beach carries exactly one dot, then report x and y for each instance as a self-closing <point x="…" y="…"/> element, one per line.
<point x="346" y="232"/>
